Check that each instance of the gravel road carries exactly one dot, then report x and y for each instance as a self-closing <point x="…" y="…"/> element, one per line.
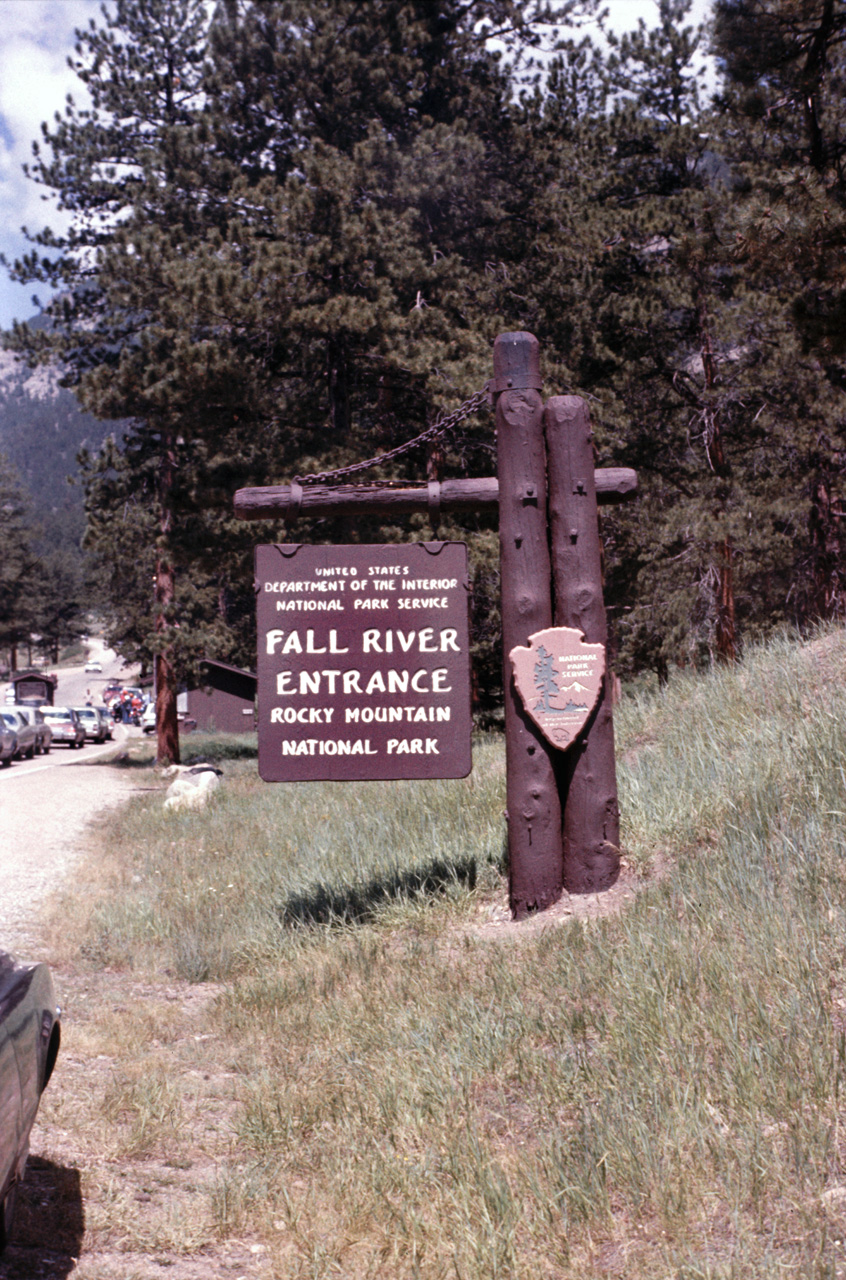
<point x="45" y="804"/>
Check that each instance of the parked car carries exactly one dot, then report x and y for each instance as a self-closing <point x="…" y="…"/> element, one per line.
<point x="25" y="731"/>
<point x="65" y="725"/>
<point x="93" y="723"/>
<point x="92" y="665"/>
<point x="107" y="716"/>
<point x="8" y="744"/>
<point x="43" y="732"/>
<point x="148" y="718"/>
<point x="30" y="1033"/>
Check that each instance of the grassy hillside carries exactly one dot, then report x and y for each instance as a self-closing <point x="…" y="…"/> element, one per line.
<point x="412" y="1092"/>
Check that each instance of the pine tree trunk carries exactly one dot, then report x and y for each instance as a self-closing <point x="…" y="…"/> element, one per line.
<point x="167" y="727"/>
<point x="339" y="400"/>
<point x="812" y="77"/>
<point x="825" y="551"/>
<point x="726" y="635"/>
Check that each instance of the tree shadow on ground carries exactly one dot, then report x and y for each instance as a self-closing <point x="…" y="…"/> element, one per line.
<point x="354" y="904"/>
<point x="49" y="1224"/>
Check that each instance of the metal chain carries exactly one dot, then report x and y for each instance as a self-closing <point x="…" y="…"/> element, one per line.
<point x="437" y="429"/>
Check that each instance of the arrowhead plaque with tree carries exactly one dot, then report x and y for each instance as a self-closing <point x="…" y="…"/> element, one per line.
<point x="559" y="679"/>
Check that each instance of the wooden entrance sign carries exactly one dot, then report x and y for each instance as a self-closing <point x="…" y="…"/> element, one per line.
<point x="563" y="821"/>
<point x="364" y="662"/>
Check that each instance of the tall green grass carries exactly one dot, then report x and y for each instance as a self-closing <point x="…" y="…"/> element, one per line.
<point x="655" y="1094"/>
<point x="222" y="889"/>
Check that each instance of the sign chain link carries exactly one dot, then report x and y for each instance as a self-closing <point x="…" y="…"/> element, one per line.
<point x="437" y="429"/>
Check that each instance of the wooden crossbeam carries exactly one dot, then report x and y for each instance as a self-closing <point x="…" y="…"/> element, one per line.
<point x="613" y="485"/>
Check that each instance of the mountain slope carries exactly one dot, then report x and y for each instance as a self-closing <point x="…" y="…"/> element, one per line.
<point x="42" y="429"/>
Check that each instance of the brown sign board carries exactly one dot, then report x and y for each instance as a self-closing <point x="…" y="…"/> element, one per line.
<point x="559" y="679"/>
<point x="363" y="662"/>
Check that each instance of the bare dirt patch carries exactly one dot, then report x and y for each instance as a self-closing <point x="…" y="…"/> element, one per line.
<point x="134" y="1147"/>
<point x="496" y="922"/>
<point x="45" y="805"/>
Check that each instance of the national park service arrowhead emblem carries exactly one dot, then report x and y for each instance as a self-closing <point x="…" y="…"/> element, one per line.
<point x="559" y="678"/>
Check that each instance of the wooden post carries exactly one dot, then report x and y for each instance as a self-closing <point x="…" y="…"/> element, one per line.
<point x="587" y="771"/>
<point x="534" y="809"/>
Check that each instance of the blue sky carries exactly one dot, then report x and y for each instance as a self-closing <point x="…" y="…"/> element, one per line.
<point x="36" y="38"/>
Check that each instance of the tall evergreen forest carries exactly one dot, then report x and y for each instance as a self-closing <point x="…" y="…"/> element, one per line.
<point x="297" y="227"/>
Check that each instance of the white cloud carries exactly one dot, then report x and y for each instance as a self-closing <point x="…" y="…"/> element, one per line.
<point x="36" y="38"/>
<point x="624" y="14"/>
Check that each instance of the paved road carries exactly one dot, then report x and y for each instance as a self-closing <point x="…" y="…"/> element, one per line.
<point x="45" y="804"/>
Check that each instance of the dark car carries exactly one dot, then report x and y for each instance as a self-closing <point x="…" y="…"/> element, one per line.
<point x="8" y="744"/>
<point x="107" y="716"/>
<point x="65" y="725"/>
<point x="29" y="1044"/>
<point x="43" y="732"/>
<point x="27" y="737"/>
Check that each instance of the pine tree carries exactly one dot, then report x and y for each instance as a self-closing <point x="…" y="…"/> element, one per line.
<point x="678" y="353"/>
<point x="18" y="562"/>
<point x="127" y="170"/>
<point x="784" y="101"/>
<point x="545" y="679"/>
<point x="316" y="210"/>
<point x="59" y="600"/>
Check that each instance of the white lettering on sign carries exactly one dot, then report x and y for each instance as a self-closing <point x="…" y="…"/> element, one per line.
<point x="309" y="606"/>
<point x="293" y="644"/>
<point x="413" y="746"/>
<point x="327" y="747"/>
<point x="390" y="681"/>
<point x="302" y="715"/>
<point x="394" y="715"/>
<point x="375" y="641"/>
<point x="291" y="588"/>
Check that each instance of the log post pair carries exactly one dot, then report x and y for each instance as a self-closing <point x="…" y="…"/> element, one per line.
<point x="563" y="819"/>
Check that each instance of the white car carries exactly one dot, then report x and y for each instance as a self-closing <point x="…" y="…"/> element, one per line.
<point x="148" y="718"/>
<point x="92" y="665"/>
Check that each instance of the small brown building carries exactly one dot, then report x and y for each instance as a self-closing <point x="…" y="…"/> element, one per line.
<point x="33" y="688"/>
<point x="225" y="703"/>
